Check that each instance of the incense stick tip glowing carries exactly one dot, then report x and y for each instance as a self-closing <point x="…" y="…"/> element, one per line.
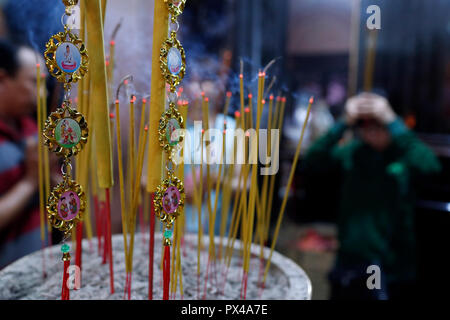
<point x="271" y="97"/>
<point x="311" y="100"/>
<point x="111" y="115"/>
<point x="263" y="101"/>
<point x="241" y="76"/>
<point x="237" y="114"/>
<point x="144" y="100"/>
<point x="247" y="109"/>
<point x="229" y="94"/>
<point x="117" y="101"/>
<point x="283" y="99"/>
<point x="38" y="65"/>
<point x="112" y="43"/>
<point x="107" y="63"/>
<point x="146" y="128"/>
<point x="250" y="96"/>
<point x="206" y="99"/>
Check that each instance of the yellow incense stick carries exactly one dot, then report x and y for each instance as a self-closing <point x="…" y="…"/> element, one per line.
<point x="279" y="111"/>
<point x="40" y="152"/>
<point x="208" y="176"/>
<point x="172" y="263"/>
<point x="218" y="184"/>
<point x="252" y="197"/>
<point x="46" y="155"/>
<point x="199" y="207"/>
<point x="268" y="150"/>
<point x="99" y="98"/>
<point x="121" y="181"/>
<point x="235" y="217"/>
<point x="241" y="95"/>
<point x="131" y="143"/>
<point x="179" y="269"/>
<point x="370" y="60"/>
<point x="288" y="186"/>
<point x="227" y="185"/>
<point x="227" y="197"/>
<point x="353" y="60"/>
<point x="157" y="101"/>
<point x="112" y="53"/>
<point x="103" y="4"/>
<point x="137" y="183"/>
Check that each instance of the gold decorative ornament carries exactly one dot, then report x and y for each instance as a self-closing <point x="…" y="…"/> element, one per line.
<point x="169" y="197"/>
<point x="66" y="205"/>
<point x="170" y="121"/>
<point x="66" y="57"/>
<point x="70" y="3"/>
<point x="175" y="8"/>
<point x="169" y="200"/>
<point x="66" y="131"/>
<point x="172" y="61"/>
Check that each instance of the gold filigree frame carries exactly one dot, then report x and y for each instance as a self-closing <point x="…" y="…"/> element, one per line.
<point x="66" y="112"/>
<point x="169" y="114"/>
<point x="168" y="218"/>
<point x="70" y="3"/>
<point x="172" y="80"/>
<point x="52" y="206"/>
<point x="50" y="57"/>
<point x="175" y="10"/>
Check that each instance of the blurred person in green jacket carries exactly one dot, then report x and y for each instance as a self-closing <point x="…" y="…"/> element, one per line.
<point x="378" y="166"/>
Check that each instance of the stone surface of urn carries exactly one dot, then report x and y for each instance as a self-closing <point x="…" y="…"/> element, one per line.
<point x="23" y="279"/>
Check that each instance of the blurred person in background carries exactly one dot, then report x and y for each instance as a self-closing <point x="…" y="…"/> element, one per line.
<point x="377" y="167"/>
<point x="19" y="206"/>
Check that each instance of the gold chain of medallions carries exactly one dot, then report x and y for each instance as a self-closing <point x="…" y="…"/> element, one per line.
<point x="169" y="196"/>
<point x="66" y="130"/>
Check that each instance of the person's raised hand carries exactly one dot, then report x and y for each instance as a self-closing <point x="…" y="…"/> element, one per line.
<point x="380" y="108"/>
<point x="353" y="109"/>
<point x="368" y="105"/>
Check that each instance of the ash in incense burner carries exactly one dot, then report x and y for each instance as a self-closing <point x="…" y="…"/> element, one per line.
<point x="23" y="279"/>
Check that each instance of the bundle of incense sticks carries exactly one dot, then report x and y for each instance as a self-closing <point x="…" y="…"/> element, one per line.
<point x="129" y="205"/>
<point x="41" y="163"/>
<point x="252" y="206"/>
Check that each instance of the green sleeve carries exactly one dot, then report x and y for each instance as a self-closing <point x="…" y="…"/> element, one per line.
<point x="416" y="157"/>
<point x="320" y="156"/>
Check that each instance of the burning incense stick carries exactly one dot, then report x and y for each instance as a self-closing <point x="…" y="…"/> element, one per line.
<point x="121" y="182"/>
<point x="370" y="60"/>
<point x="40" y="153"/>
<point x="252" y="197"/>
<point x="288" y="186"/>
<point x="278" y="120"/>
